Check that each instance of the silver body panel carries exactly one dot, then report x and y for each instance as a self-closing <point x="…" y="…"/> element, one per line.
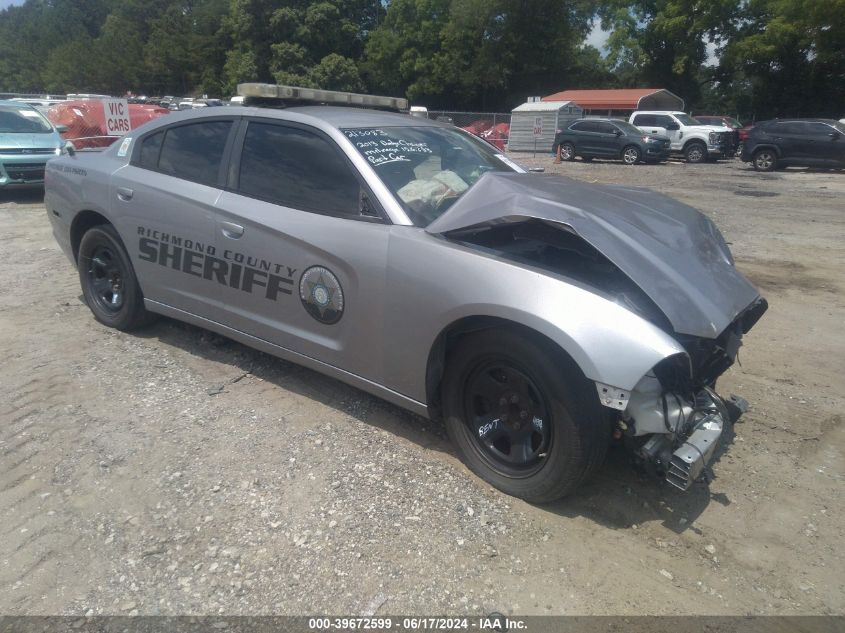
<point x="402" y="285"/>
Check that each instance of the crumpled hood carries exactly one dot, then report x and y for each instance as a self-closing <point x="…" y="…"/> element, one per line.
<point x="672" y="251"/>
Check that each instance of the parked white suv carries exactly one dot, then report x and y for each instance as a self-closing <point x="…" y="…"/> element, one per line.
<point x="697" y="142"/>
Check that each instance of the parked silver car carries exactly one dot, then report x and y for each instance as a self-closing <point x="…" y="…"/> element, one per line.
<point x="541" y="317"/>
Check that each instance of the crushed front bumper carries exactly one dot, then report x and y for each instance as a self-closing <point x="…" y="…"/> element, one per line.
<point x="672" y="435"/>
<point x="688" y="462"/>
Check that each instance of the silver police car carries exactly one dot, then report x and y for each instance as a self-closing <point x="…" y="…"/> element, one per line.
<point x="541" y="317"/>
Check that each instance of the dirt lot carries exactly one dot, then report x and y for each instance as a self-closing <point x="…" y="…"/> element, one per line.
<point x="171" y="471"/>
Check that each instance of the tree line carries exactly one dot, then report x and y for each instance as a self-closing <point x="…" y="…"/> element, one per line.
<point x="751" y="58"/>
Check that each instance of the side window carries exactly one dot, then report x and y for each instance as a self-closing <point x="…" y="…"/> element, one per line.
<point x="194" y="151"/>
<point x="150" y="148"/>
<point x="580" y="126"/>
<point x="605" y="128"/>
<point x="818" y="129"/>
<point x="298" y="169"/>
<point x="662" y="121"/>
<point x="788" y="127"/>
<point x="644" y="119"/>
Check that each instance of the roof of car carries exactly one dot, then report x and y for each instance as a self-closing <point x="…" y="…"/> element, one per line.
<point x="798" y="120"/>
<point x="336" y="116"/>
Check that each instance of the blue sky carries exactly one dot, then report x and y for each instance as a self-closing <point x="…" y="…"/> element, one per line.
<point x="9" y="3"/>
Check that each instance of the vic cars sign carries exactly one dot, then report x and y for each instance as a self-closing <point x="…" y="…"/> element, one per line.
<point x="538" y="126"/>
<point x="117" y="117"/>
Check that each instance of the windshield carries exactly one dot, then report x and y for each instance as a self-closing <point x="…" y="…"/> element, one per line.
<point x="687" y="119"/>
<point x="427" y="168"/>
<point x="22" y="120"/>
<point x="628" y="128"/>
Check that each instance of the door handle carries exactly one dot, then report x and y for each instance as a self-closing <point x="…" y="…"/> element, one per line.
<point x="231" y="230"/>
<point x="125" y="194"/>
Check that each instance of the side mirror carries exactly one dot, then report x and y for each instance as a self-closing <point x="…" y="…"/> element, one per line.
<point x="618" y="133"/>
<point x="70" y="149"/>
<point x="61" y="129"/>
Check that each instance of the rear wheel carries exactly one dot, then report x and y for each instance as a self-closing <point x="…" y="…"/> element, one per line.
<point x="765" y="160"/>
<point x="695" y="153"/>
<point x="631" y="155"/>
<point x="524" y="420"/>
<point x="567" y="151"/>
<point x="108" y="281"/>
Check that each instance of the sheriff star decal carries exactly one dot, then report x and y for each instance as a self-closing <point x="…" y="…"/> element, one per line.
<point x="321" y="294"/>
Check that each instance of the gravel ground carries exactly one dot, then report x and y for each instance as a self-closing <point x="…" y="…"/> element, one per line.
<point x="172" y="471"/>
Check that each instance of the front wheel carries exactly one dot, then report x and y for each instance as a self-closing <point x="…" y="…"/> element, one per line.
<point x="567" y="151"/>
<point x="631" y="155"/>
<point x="108" y="281"/>
<point x="695" y="153"/>
<point x="525" y="420"/>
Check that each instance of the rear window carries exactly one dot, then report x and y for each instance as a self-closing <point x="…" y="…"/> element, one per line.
<point x="194" y="151"/>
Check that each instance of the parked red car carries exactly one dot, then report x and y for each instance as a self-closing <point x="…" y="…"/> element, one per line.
<point x="86" y="120"/>
<point x="496" y="135"/>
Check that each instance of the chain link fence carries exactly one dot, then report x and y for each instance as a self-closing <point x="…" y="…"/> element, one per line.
<point x="84" y="121"/>
<point x="493" y="127"/>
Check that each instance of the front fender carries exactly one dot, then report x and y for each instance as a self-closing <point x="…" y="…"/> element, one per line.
<point x="433" y="283"/>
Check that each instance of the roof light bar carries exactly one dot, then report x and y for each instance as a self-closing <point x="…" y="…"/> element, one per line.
<point x="273" y="91"/>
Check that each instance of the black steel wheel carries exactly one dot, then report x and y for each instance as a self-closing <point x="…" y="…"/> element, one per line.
<point x="523" y="416"/>
<point x="108" y="281"/>
<point x="506" y="414"/>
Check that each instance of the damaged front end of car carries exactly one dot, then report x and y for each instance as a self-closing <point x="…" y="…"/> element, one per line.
<point x="673" y="419"/>
<point x="661" y="260"/>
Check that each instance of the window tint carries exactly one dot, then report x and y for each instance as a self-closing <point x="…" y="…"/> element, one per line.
<point x="580" y="126"/>
<point x="150" y="146"/>
<point x="605" y="128"/>
<point x="818" y="129"/>
<point x="194" y="151"/>
<point x="662" y="121"/>
<point x="645" y="119"/>
<point x="297" y="169"/>
<point x="788" y="127"/>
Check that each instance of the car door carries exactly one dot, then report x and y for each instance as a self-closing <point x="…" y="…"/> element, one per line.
<point x="789" y="136"/>
<point x="824" y="143"/>
<point x="305" y="266"/>
<point x="589" y="142"/>
<point x="163" y="205"/>
<point x="608" y="140"/>
<point x="576" y="134"/>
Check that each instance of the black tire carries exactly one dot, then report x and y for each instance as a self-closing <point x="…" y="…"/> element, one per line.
<point x="631" y="155"/>
<point x="765" y="159"/>
<point x="587" y="159"/>
<point x="567" y="151"/>
<point x="546" y="432"/>
<point x="108" y="281"/>
<point x="695" y="153"/>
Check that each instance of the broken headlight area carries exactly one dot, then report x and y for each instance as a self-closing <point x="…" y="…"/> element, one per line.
<point x="673" y="419"/>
